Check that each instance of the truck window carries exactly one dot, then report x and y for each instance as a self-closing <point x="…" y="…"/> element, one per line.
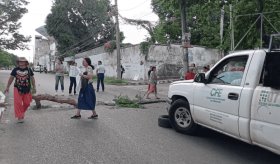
<point x="229" y="72"/>
<point x="271" y="72"/>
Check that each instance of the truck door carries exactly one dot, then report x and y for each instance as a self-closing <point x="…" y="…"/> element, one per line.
<point x="216" y="103"/>
<point x="265" y="113"/>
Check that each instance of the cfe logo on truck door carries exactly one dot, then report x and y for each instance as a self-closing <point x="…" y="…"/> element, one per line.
<point x="216" y="95"/>
<point x="268" y="98"/>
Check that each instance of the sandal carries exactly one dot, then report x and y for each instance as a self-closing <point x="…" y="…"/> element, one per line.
<point x="76" y="117"/>
<point x="93" y="116"/>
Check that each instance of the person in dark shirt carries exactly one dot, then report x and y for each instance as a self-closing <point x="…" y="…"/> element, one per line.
<point x="122" y="71"/>
<point x="149" y="72"/>
<point x="24" y="82"/>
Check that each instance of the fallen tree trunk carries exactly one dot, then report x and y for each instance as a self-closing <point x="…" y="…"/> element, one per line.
<point x="58" y="99"/>
<point x="151" y="101"/>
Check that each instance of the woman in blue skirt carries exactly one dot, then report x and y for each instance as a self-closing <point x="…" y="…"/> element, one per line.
<point x="87" y="99"/>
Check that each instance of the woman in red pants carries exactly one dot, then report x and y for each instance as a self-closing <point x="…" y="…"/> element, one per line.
<point x="22" y="87"/>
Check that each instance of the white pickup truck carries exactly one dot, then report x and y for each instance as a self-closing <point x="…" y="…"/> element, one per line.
<point x="239" y="97"/>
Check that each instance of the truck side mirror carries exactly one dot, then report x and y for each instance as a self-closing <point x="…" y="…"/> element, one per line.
<point x="200" y="78"/>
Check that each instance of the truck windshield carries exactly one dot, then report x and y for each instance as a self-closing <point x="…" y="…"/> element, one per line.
<point x="229" y="72"/>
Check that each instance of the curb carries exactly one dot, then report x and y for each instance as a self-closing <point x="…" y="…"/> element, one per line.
<point x="146" y="83"/>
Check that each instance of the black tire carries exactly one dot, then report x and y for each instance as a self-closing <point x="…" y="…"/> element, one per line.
<point x="181" y="118"/>
<point x="163" y="121"/>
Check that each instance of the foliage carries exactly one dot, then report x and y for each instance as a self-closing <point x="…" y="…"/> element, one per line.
<point x="203" y="20"/>
<point x="110" y="46"/>
<point x="125" y="101"/>
<point x="80" y="25"/>
<point x="169" y="27"/>
<point x="252" y="40"/>
<point x="147" y="25"/>
<point x="144" y="47"/>
<point x="11" y="11"/>
<point x="7" y="59"/>
<point x="205" y="29"/>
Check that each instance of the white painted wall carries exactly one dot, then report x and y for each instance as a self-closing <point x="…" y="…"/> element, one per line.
<point x="168" y="59"/>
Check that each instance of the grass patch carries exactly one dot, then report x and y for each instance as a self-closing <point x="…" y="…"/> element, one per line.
<point x="113" y="81"/>
<point x="126" y="102"/>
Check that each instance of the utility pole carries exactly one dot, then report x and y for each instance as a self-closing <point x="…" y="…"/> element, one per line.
<point x="231" y="27"/>
<point x="185" y="39"/>
<point x="118" y="40"/>
<point x="261" y="33"/>
<point x="222" y="23"/>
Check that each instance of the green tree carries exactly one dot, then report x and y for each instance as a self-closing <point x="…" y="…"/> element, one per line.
<point x="7" y="59"/>
<point x="203" y="19"/>
<point x="80" y="25"/>
<point x="242" y="23"/>
<point x="10" y="13"/>
<point x="169" y="27"/>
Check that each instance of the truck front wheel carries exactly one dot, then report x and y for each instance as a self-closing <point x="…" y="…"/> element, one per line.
<point x="181" y="118"/>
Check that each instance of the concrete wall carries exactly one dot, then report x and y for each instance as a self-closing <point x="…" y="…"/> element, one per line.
<point x="168" y="59"/>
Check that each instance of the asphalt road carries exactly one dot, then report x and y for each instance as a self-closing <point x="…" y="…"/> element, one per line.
<point x="123" y="136"/>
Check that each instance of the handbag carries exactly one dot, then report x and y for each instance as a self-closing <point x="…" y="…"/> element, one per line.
<point x="84" y="81"/>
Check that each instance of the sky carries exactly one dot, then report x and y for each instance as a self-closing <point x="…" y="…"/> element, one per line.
<point x="39" y="9"/>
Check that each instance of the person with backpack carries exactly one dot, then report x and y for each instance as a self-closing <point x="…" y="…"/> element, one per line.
<point x="23" y="86"/>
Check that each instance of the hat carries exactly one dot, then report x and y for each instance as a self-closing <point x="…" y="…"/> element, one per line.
<point x="22" y="59"/>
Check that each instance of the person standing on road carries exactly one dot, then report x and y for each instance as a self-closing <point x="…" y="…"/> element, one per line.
<point x="100" y="71"/>
<point x="205" y="69"/>
<point x="59" y="76"/>
<point x="73" y="73"/>
<point x="190" y="74"/>
<point x="87" y="98"/>
<point x="122" y="71"/>
<point x="24" y="82"/>
<point x="149" y="73"/>
<point x="152" y="83"/>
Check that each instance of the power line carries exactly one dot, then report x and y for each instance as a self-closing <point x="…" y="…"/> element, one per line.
<point x="83" y="44"/>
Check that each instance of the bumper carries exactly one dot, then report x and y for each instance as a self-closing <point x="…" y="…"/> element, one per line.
<point x="168" y="104"/>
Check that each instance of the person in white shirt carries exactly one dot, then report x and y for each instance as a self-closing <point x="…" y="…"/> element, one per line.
<point x="100" y="71"/>
<point x="73" y="73"/>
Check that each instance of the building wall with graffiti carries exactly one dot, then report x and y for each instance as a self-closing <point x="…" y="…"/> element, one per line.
<point x="168" y="59"/>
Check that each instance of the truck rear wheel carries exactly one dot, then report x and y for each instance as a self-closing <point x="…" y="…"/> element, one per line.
<point x="181" y="118"/>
